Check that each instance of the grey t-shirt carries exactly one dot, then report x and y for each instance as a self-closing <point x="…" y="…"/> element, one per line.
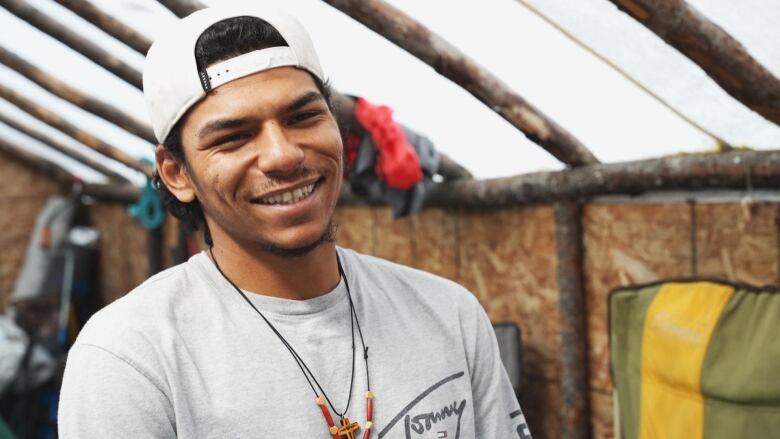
<point x="183" y="355"/>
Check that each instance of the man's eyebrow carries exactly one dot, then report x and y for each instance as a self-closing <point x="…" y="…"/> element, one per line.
<point x="302" y="101"/>
<point x="221" y="124"/>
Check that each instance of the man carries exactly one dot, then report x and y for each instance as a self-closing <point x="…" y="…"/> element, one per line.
<point x="273" y="332"/>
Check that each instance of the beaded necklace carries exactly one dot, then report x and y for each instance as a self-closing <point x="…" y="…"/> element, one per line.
<point x="345" y="429"/>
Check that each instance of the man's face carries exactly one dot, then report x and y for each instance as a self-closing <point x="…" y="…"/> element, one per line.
<point x="264" y="159"/>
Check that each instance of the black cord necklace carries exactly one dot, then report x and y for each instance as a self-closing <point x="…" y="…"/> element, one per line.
<point x="346" y="428"/>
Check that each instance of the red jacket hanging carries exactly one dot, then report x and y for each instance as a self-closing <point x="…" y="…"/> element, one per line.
<point x="397" y="163"/>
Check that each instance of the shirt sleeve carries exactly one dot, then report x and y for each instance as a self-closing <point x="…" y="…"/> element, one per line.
<point x="497" y="412"/>
<point x="105" y="396"/>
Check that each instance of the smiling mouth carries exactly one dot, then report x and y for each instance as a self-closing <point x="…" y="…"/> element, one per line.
<point x="288" y="197"/>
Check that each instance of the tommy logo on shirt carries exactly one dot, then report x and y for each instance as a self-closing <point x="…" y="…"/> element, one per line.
<point x="443" y="422"/>
<point x="431" y="422"/>
<point x="425" y="421"/>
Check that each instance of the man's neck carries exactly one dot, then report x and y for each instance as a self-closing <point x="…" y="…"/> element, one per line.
<point x="297" y="277"/>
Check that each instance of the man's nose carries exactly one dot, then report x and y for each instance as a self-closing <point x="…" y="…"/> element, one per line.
<point x="277" y="154"/>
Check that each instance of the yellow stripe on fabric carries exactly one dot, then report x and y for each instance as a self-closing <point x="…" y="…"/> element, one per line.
<point x="677" y="331"/>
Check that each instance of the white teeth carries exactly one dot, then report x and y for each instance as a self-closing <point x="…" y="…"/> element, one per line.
<point x="289" y="197"/>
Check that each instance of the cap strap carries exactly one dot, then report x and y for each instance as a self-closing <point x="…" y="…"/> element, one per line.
<point x="247" y="64"/>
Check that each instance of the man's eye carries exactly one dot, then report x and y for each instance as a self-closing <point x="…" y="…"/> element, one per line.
<point x="300" y="117"/>
<point x="230" y="139"/>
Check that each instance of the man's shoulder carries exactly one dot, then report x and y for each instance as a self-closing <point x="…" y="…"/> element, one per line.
<point x="150" y="305"/>
<point x="408" y="282"/>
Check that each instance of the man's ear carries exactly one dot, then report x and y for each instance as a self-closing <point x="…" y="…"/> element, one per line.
<point x="174" y="175"/>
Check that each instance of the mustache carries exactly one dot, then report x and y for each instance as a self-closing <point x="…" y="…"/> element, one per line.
<point x="274" y="181"/>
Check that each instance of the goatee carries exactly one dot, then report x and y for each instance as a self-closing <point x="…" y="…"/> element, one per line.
<point x="329" y="235"/>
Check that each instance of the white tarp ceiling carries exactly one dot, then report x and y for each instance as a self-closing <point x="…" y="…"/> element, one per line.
<point x="612" y="116"/>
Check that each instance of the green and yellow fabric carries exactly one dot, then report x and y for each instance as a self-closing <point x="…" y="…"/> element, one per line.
<point x="696" y="359"/>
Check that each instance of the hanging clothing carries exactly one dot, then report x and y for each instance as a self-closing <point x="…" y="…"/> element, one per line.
<point x="389" y="162"/>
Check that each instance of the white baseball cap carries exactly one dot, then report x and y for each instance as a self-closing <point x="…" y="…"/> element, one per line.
<point x="172" y="82"/>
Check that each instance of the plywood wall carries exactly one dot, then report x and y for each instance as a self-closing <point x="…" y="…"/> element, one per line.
<point x="22" y="195"/>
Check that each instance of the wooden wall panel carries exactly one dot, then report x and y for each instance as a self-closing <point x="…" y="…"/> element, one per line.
<point x="738" y="242"/>
<point x="435" y="242"/>
<point x="355" y="228"/>
<point x="393" y="238"/>
<point x="508" y="261"/>
<point x="427" y="241"/>
<point x="602" y="415"/>
<point x="123" y="255"/>
<point x="23" y="195"/>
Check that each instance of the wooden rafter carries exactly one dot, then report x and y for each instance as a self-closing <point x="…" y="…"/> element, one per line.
<point x="57" y="145"/>
<point x="719" y="54"/>
<point x="37" y="18"/>
<point x="51" y="118"/>
<point x="182" y="8"/>
<point x="733" y="170"/>
<point x="108" y="23"/>
<point x="76" y="97"/>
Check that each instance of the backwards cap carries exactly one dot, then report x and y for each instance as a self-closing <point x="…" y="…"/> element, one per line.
<point x="172" y="82"/>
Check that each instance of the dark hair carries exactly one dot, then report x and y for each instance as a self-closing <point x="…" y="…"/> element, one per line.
<point x="222" y="40"/>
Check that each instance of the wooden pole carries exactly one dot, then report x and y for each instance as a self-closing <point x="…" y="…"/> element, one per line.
<point x="721" y="56"/>
<point x="61" y="147"/>
<point x="450" y="170"/>
<point x="122" y="194"/>
<point x="108" y="24"/>
<point x="40" y="20"/>
<point x="76" y="97"/>
<point x="49" y="117"/>
<point x="575" y="400"/>
<point x="182" y="8"/>
<point x="429" y="47"/>
<point x="733" y="170"/>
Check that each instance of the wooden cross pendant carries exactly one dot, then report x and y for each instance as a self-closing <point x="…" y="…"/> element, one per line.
<point x="347" y="429"/>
